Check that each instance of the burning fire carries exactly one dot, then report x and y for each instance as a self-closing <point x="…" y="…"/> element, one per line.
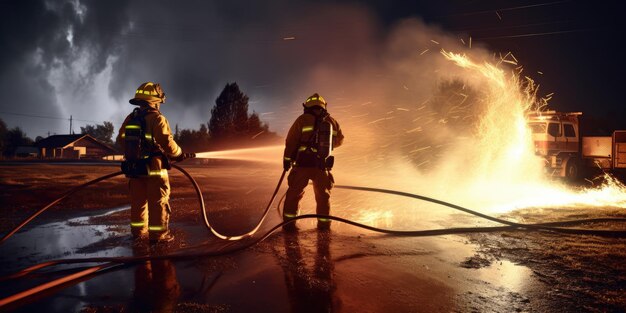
<point x="512" y="175"/>
<point x="412" y="146"/>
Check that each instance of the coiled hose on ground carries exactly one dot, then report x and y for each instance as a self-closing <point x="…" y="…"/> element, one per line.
<point x="111" y="262"/>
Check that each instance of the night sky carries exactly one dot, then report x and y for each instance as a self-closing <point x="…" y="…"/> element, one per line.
<point x="86" y="58"/>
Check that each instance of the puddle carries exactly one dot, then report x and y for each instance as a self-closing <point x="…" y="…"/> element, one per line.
<point x="506" y="274"/>
<point x="58" y="240"/>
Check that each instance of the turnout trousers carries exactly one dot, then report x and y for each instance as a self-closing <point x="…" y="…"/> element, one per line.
<point x="150" y="208"/>
<point x="297" y="180"/>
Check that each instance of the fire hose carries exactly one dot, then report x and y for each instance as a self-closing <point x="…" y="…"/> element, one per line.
<point x="111" y="262"/>
<point x="198" y="194"/>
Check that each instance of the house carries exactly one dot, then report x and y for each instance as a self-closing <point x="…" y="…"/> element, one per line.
<point x="81" y="146"/>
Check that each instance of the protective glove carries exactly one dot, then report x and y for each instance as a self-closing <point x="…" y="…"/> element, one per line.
<point x="183" y="156"/>
<point x="286" y="164"/>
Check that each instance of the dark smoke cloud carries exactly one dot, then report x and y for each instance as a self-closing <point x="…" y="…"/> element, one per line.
<point x="278" y="51"/>
<point x="35" y="46"/>
<point x="24" y="57"/>
<point x="194" y="50"/>
<point x="85" y="58"/>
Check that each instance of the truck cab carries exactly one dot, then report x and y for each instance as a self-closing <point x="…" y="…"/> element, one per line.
<point x="567" y="152"/>
<point x="556" y="137"/>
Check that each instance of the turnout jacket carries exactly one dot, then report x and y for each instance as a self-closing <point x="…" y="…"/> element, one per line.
<point x="158" y="132"/>
<point x="301" y="132"/>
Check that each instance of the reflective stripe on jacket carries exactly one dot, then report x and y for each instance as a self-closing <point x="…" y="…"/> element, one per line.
<point x="302" y="130"/>
<point x="158" y="132"/>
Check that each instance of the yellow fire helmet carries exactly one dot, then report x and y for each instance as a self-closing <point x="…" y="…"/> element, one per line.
<point x="150" y="92"/>
<point x="315" y="100"/>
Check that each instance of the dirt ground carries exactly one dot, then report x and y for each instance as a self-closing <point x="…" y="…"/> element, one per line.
<point x="345" y="270"/>
<point x="584" y="273"/>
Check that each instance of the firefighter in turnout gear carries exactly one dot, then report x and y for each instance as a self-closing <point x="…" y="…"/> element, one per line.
<point x="148" y="145"/>
<point x="308" y="148"/>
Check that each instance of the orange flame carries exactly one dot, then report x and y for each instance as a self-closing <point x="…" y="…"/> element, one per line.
<point x="512" y="174"/>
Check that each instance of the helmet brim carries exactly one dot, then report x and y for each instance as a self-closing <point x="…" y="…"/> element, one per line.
<point x="137" y="101"/>
<point x="314" y="103"/>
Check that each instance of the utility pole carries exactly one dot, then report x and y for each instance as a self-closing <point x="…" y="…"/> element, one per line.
<point x="70" y="124"/>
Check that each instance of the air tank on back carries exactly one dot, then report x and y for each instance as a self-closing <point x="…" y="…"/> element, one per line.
<point x="325" y="139"/>
<point x="132" y="139"/>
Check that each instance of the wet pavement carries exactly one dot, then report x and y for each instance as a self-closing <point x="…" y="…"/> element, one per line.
<point x="59" y="240"/>
<point x="345" y="270"/>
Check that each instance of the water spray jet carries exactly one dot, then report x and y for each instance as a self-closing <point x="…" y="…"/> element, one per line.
<point x="259" y="154"/>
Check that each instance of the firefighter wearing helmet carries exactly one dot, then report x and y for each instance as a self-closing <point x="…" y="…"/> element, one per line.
<point x="148" y="145"/>
<point x="308" y="148"/>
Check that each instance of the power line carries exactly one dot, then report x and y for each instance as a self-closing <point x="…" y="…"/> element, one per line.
<point x="507" y="9"/>
<point x="540" y="34"/>
<point x="529" y="25"/>
<point x="49" y="117"/>
<point x="32" y="115"/>
<point x="533" y="5"/>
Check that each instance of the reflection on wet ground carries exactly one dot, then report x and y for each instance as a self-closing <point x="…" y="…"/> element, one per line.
<point x="156" y="286"/>
<point x="506" y="274"/>
<point x="309" y="290"/>
<point x="60" y="240"/>
<point x="345" y="270"/>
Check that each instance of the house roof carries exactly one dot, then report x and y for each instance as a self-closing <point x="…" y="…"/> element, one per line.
<point x="62" y="141"/>
<point x="59" y="141"/>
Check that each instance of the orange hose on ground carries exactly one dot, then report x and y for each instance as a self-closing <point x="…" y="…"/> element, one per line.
<point x="52" y="284"/>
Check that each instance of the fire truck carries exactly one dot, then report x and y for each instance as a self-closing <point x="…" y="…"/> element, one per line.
<point x="567" y="153"/>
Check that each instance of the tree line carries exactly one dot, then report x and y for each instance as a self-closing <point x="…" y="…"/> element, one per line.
<point x="12" y="138"/>
<point x="230" y="125"/>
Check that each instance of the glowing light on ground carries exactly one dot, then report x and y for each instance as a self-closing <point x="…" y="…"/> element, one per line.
<point x="376" y="218"/>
